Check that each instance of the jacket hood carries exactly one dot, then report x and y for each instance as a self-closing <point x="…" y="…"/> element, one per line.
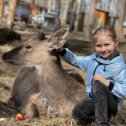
<point x="103" y="61"/>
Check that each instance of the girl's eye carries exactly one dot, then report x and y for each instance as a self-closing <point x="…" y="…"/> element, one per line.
<point x="98" y="45"/>
<point x="107" y="44"/>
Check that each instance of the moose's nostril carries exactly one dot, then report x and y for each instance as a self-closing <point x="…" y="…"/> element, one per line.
<point x="4" y="57"/>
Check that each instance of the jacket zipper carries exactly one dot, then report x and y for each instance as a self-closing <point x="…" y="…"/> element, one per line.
<point x="95" y="71"/>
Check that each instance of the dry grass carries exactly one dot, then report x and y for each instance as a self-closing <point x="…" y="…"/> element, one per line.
<point x="8" y="113"/>
<point x="38" y="122"/>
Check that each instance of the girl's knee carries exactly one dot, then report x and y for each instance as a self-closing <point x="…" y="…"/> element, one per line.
<point x="97" y="85"/>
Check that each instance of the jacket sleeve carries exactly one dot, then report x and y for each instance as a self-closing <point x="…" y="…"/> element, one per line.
<point x="119" y="88"/>
<point x="81" y="62"/>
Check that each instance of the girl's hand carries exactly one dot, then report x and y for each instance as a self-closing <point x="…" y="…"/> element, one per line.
<point x="102" y="79"/>
<point x="60" y="49"/>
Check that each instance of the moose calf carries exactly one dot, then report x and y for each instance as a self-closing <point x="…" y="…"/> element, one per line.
<point x="49" y="90"/>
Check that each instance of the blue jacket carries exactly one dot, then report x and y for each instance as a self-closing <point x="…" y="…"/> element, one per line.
<point x="113" y="70"/>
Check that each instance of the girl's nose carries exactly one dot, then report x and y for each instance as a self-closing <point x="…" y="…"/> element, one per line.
<point x="103" y="49"/>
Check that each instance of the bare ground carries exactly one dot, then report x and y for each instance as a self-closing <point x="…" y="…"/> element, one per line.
<point x="7" y="75"/>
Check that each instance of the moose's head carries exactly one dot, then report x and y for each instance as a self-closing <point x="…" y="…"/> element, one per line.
<point x="36" y="52"/>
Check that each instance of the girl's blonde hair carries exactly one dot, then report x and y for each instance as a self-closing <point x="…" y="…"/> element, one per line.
<point x="105" y="29"/>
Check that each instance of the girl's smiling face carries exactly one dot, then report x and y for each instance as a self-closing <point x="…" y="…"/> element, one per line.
<point x="104" y="46"/>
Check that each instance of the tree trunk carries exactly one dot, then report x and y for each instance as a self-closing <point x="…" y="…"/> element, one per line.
<point x="1" y="9"/>
<point x="64" y="11"/>
<point x="122" y="8"/>
<point x="12" y="7"/>
<point x="44" y="3"/>
<point x="36" y="2"/>
<point x="57" y="10"/>
<point x="89" y="21"/>
<point x="71" y="19"/>
<point x="49" y="5"/>
<point x="78" y="4"/>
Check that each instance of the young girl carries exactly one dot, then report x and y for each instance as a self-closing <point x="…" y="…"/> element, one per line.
<point x="106" y="79"/>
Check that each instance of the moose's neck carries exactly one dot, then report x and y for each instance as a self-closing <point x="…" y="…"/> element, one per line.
<point x="50" y="69"/>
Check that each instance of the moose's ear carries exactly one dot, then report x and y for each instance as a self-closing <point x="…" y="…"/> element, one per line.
<point x="58" y="39"/>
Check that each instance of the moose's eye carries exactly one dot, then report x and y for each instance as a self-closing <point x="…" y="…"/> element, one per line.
<point x="28" y="48"/>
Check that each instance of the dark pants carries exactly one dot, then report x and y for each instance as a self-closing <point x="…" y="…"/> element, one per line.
<point x="99" y="107"/>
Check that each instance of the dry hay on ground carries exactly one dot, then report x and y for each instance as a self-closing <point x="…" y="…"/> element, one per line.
<point x="8" y="113"/>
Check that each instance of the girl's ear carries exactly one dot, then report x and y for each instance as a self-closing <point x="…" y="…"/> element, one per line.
<point x="117" y="42"/>
<point x="116" y="46"/>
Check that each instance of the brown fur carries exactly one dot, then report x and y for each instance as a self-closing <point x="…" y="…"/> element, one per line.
<point x="49" y="91"/>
